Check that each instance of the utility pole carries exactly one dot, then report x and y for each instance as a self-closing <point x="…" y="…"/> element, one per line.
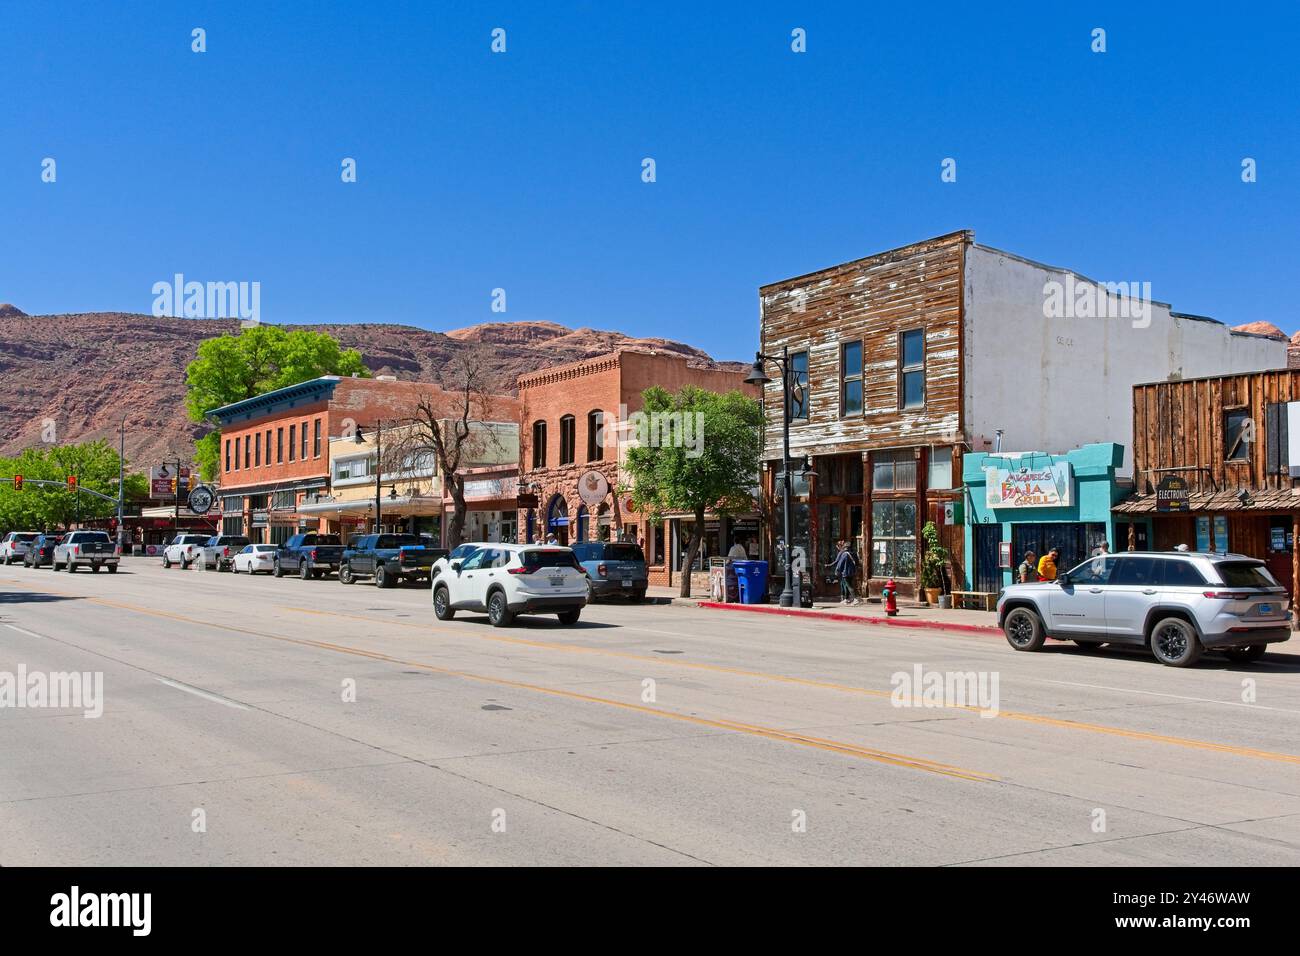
<point x="176" y="518"/>
<point x="379" y="471"/>
<point x="121" y="484"/>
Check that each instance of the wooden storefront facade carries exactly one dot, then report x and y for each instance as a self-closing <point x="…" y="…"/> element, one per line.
<point x="876" y="345"/>
<point x="1228" y="439"/>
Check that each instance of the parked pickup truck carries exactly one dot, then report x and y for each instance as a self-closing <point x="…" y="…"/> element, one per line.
<point x="219" y="551"/>
<point x="389" y="558"/>
<point x="184" y="550"/>
<point x="92" y="549"/>
<point x="310" y="555"/>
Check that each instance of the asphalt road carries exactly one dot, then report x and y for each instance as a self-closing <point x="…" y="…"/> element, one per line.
<point x="643" y="735"/>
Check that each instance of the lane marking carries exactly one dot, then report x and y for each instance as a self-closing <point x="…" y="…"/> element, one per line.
<point x="15" y="627"/>
<point x="721" y="723"/>
<point x="201" y="693"/>
<point x="1152" y="693"/>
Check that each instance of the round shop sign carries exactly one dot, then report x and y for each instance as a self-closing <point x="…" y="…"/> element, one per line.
<point x="201" y="500"/>
<point x="592" y="488"/>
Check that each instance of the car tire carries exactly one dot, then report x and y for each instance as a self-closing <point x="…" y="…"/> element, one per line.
<point x="167" y="563"/>
<point x="498" y="609"/>
<point x="637" y="597"/>
<point x="1174" y="643"/>
<point x="94" y="569"/>
<point x="277" y="571"/>
<point x="383" y="579"/>
<point x="345" y="574"/>
<point x="1024" y="629"/>
<point x="442" y="608"/>
<point x="303" y="572"/>
<point x="72" y="566"/>
<point x="1246" y="655"/>
<point x="569" y="617"/>
<point x="185" y="565"/>
<point x="591" y="592"/>
<point x="112" y="568"/>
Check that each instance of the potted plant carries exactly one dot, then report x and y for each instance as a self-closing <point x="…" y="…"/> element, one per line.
<point x="932" y="561"/>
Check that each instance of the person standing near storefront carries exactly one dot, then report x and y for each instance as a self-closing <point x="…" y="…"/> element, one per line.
<point x="1047" y="565"/>
<point x="845" y="566"/>
<point x="1027" y="573"/>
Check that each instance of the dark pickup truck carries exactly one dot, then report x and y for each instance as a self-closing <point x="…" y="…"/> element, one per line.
<point x="310" y="555"/>
<point x="389" y="558"/>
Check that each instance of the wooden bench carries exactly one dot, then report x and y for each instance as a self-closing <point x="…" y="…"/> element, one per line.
<point x="986" y="599"/>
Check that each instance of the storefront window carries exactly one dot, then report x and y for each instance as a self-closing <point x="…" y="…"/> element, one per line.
<point x="940" y="468"/>
<point x="894" y="470"/>
<point x="1219" y="542"/>
<point x="893" y="538"/>
<point x="657" y="554"/>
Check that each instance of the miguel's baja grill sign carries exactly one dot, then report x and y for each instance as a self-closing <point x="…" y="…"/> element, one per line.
<point x="1048" y="486"/>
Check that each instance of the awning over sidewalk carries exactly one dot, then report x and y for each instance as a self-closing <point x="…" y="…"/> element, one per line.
<point x="404" y="505"/>
<point x="1259" y="501"/>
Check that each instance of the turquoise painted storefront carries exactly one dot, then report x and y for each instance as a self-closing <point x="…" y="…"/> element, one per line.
<point x="1023" y="513"/>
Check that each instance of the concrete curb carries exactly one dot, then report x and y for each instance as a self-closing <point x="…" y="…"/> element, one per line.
<point x="928" y="625"/>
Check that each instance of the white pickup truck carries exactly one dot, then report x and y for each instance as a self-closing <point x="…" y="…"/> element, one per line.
<point x="184" y="550"/>
<point x="90" y="549"/>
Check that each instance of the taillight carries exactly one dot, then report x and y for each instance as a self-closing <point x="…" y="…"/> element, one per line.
<point x="1228" y="595"/>
<point x="312" y="554"/>
<point x="522" y="569"/>
<point x="600" y="569"/>
<point x="225" y="552"/>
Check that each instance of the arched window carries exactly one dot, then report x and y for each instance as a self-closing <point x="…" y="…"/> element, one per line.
<point x="566" y="440"/>
<point x="539" y="444"/>
<point x="595" y="435"/>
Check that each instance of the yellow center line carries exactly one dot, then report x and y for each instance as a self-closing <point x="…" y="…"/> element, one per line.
<point x="829" y="685"/>
<point x="769" y="733"/>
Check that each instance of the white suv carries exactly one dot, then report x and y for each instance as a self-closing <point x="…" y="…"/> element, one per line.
<point x="1177" y="604"/>
<point x="13" y="547"/>
<point x="510" y="579"/>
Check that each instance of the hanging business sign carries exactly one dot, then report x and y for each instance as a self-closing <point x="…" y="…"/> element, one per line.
<point x="202" y="499"/>
<point x="1173" y="494"/>
<point x="592" y="488"/>
<point x="1048" y="486"/>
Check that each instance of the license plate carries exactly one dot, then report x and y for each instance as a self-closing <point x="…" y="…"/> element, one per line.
<point x="557" y="580"/>
<point x="1265" y="609"/>
<point x="627" y="582"/>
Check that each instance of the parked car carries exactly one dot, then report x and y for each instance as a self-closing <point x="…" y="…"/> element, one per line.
<point x="219" y="551"/>
<point x="389" y="558"/>
<point x="41" y="551"/>
<point x="311" y="555"/>
<point x="510" y="579"/>
<point x="92" y="549"/>
<point x="1176" y="603"/>
<point x="13" y="546"/>
<point x="184" y="550"/>
<point x="253" y="558"/>
<point x="613" y="567"/>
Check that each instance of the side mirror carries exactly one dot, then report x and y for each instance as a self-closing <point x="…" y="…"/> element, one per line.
<point x="1063" y="580"/>
<point x="455" y="566"/>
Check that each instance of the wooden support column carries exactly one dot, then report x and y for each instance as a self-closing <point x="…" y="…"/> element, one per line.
<point x="1295" y="567"/>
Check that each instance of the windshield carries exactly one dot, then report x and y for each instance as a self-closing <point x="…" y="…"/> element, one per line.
<point x="1245" y="574"/>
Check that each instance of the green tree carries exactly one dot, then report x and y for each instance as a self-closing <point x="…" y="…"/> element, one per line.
<point x="231" y="368"/>
<point x="695" y="451"/>
<point x="37" y="508"/>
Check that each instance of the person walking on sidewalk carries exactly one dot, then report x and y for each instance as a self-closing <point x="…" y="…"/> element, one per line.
<point x="845" y="566"/>
<point x="1028" y="570"/>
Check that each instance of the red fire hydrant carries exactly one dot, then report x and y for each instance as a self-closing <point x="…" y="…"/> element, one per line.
<point x="890" y="595"/>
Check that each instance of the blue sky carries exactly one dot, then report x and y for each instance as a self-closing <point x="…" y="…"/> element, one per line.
<point x="522" y="170"/>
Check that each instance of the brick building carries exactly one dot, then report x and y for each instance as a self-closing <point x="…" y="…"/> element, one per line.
<point x="275" y="447"/>
<point x="570" y="419"/>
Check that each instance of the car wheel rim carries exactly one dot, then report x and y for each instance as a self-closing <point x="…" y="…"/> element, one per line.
<point x="1171" y="642"/>
<point x="1020" y="629"/>
<point x="440" y="602"/>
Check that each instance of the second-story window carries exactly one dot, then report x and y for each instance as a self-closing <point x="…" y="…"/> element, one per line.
<point x="851" y="378"/>
<point x="315" y="439"/>
<point x="799" y="404"/>
<point x="911" y="369"/>
<point x="304" y="441"/>
<point x="293" y="440"/>
<point x="1238" y="433"/>
<point x="227" y="454"/>
<point x="279" y="445"/>
<point x="539" y="444"/>
<point x="236" y="454"/>
<point x="268" y="448"/>
<point x="567" y="432"/>
<point x="248" y="451"/>
<point x="257" y="450"/>
<point x="595" y="436"/>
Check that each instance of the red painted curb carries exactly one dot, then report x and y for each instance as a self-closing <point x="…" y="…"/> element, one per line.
<point x="854" y="618"/>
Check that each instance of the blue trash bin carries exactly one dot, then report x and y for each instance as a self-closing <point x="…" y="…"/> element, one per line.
<point x="751" y="581"/>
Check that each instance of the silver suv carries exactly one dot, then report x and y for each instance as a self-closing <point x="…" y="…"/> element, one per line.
<point x="1176" y="603"/>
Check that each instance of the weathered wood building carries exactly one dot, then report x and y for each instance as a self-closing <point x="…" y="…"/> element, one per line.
<point x="908" y="358"/>
<point x="1234" y="441"/>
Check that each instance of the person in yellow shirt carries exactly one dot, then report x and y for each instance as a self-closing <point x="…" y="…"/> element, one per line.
<point x="1047" y="565"/>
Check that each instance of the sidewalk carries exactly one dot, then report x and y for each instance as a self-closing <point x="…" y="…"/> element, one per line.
<point x="931" y="618"/>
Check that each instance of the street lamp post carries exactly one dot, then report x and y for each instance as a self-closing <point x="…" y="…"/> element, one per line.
<point x="360" y="438"/>
<point x="790" y="596"/>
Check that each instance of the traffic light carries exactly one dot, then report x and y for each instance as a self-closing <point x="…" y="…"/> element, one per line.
<point x="72" y="482"/>
<point x="18" y="482"/>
